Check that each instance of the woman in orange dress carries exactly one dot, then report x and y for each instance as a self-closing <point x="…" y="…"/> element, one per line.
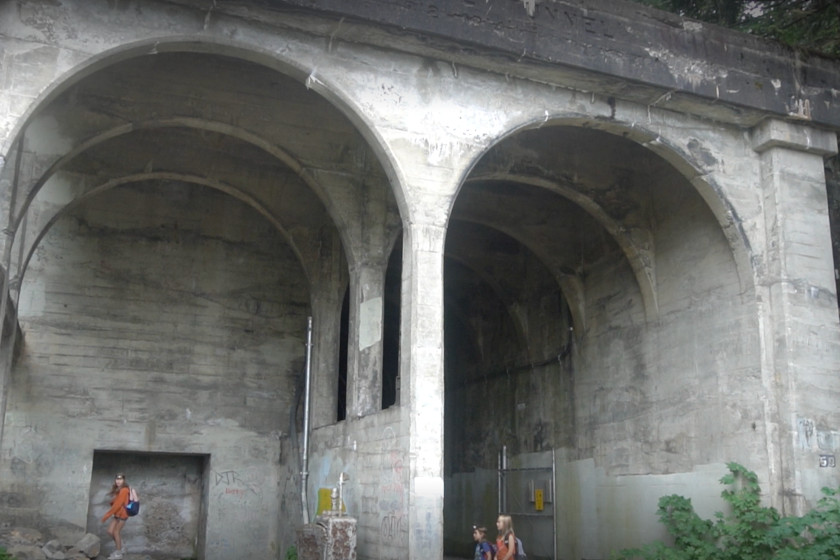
<point x="120" y="493"/>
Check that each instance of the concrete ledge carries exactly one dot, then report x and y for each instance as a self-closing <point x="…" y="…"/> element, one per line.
<point x="620" y="41"/>
<point x="774" y="133"/>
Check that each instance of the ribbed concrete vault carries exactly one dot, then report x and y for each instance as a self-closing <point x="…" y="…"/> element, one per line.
<point x="587" y="232"/>
<point x="564" y="242"/>
<point x="204" y="116"/>
<point x="193" y="201"/>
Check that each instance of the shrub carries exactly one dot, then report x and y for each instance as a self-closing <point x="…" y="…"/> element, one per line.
<point x="750" y="532"/>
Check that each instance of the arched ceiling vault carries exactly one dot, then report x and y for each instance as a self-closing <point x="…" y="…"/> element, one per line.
<point x="547" y="252"/>
<point x="618" y="182"/>
<point x="505" y="291"/>
<point x="209" y="159"/>
<point x="636" y="243"/>
<point x="36" y="231"/>
<point x="29" y="191"/>
<point x="234" y="125"/>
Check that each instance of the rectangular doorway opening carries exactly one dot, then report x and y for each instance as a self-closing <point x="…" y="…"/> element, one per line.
<point x="172" y="493"/>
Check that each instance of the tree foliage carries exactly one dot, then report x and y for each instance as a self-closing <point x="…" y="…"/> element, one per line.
<point x="810" y="26"/>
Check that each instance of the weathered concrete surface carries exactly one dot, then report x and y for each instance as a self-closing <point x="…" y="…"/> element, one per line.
<point x="600" y="45"/>
<point x="173" y="490"/>
<point x="629" y="279"/>
<point x="370" y="450"/>
<point x="159" y="352"/>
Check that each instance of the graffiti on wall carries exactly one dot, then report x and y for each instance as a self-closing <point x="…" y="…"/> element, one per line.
<point x="232" y="483"/>
<point x="392" y="526"/>
<point x="391" y="492"/>
<point x="385" y="499"/>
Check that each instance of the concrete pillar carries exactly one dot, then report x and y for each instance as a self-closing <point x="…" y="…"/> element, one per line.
<point x="7" y="349"/>
<point x="328" y="284"/>
<point x="326" y="330"/>
<point x="9" y="186"/>
<point x="323" y="258"/>
<point x="421" y="367"/>
<point x="797" y="307"/>
<point x="364" y="360"/>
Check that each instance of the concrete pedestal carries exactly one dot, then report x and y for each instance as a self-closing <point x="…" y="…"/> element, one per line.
<point x="328" y="538"/>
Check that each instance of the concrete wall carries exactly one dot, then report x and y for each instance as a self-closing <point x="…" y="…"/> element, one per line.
<point x="643" y="288"/>
<point x="144" y="335"/>
<point x="371" y="450"/>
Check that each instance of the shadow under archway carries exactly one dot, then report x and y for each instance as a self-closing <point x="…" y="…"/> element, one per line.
<point x="547" y="240"/>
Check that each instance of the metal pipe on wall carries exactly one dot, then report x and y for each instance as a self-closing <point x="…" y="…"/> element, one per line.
<point x="554" y="499"/>
<point x="304" y="474"/>
<point x="501" y="489"/>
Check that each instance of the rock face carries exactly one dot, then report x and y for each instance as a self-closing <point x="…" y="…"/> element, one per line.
<point x="23" y="543"/>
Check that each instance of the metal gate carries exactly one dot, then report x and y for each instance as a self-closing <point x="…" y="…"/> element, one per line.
<point x="527" y="495"/>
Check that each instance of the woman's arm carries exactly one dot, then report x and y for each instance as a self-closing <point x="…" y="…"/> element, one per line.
<point x="510" y="540"/>
<point x="120" y="501"/>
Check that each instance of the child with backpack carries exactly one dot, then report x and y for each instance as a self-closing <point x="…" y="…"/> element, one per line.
<point x="483" y="549"/>
<point x="508" y="546"/>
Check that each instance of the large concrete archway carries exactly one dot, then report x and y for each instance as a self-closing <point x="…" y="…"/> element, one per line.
<point x="597" y="212"/>
<point x="579" y="256"/>
<point x="188" y="210"/>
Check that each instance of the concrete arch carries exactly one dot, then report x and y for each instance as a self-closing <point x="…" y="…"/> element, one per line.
<point x="516" y="319"/>
<point x="688" y="165"/>
<point x="49" y="220"/>
<point x="200" y="124"/>
<point x="508" y="302"/>
<point x="282" y="62"/>
<point x="387" y="158"/>
<point x="570" y="285"/>
<point x="153" y="45"/>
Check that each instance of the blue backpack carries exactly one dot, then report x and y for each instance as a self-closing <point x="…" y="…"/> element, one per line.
<point x="487" y="546"/>
<point x="133" y="506"/>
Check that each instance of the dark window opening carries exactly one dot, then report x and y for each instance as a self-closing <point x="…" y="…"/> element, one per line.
<point x="391" y="327"/>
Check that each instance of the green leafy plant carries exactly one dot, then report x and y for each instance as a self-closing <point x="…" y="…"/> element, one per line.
<point x="812" y="26"/>
<point x="750" y="531"/>
<point x="291" y="553"/>
<point x="4" y="554"/>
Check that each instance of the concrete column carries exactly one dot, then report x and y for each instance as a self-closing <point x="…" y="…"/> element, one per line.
<point x="9" y="185"/>
<point x="364" y="360"/>
<point x="327" y="271"/>
<point x="7" y="348"/>
<point x="421" y="367"/>
<point x="326" y="329"/>
<point x="798" y="311"/>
